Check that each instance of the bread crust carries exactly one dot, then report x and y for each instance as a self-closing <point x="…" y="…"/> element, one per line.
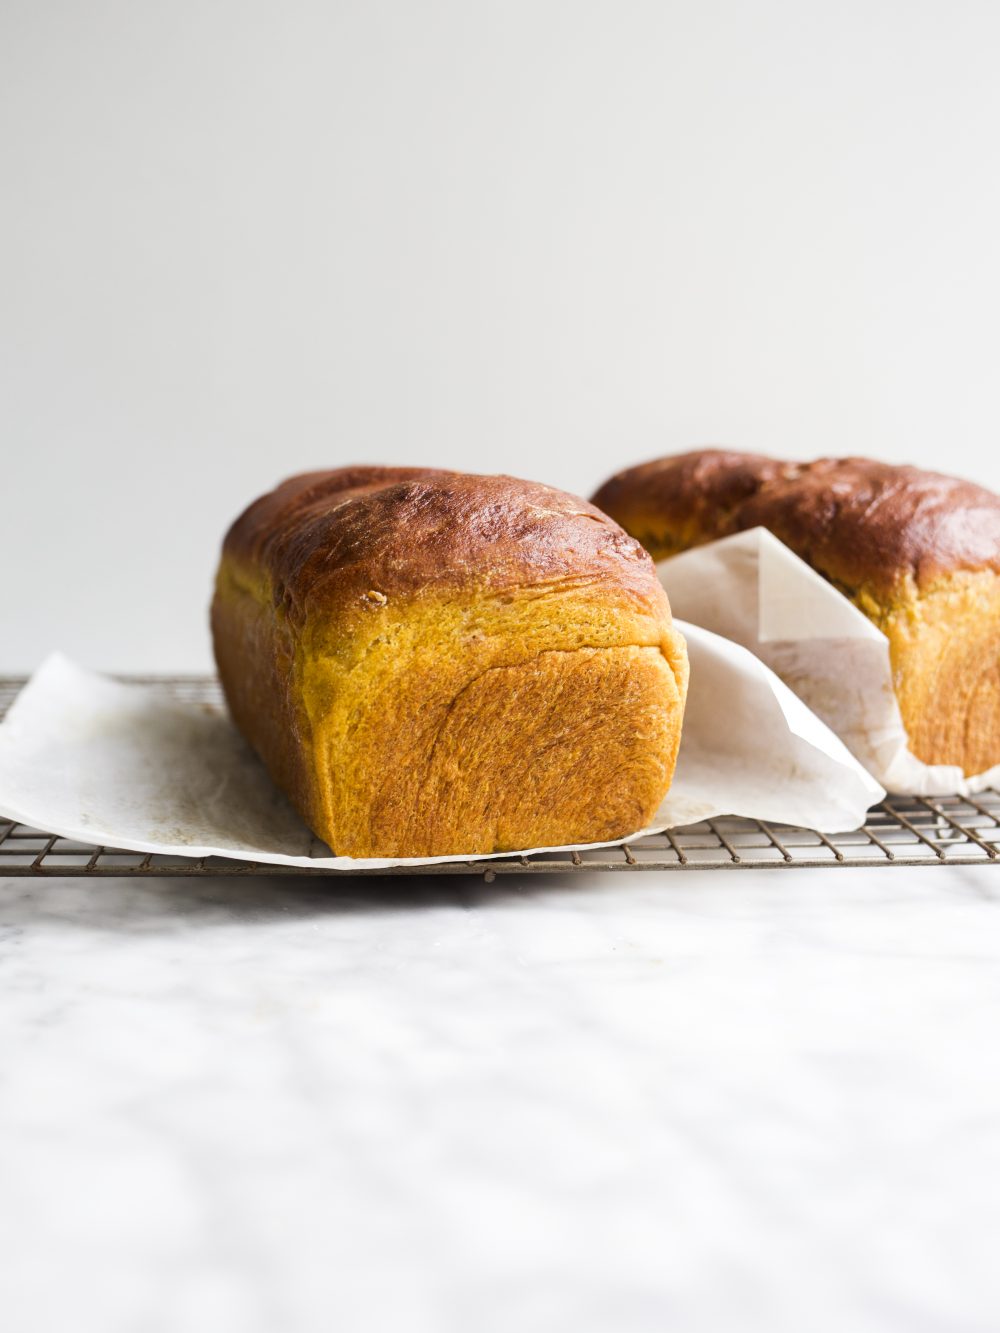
<point x="858" y="522"/>
<point x="436" y="663"/>
<point x="918" y="552"/>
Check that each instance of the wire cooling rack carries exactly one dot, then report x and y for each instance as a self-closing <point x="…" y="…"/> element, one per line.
<point x="901" y="831"/>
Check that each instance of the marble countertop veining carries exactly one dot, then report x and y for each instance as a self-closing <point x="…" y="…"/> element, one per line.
<point x="622" y="1103"/>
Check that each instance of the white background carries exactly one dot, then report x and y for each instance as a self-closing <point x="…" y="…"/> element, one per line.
<point x="239" y="239"/>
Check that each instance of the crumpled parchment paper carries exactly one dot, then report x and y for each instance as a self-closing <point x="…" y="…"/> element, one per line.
<point x="752" y="589"/>
<point x="92" y="759"/>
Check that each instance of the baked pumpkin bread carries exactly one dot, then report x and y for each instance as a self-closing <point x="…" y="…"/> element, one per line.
<point x="917" y="552"/>
<point x="432" y="663"/>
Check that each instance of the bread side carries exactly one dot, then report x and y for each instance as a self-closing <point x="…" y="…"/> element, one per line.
<point x="433" y="663"/>
<point x="944" y="646"/>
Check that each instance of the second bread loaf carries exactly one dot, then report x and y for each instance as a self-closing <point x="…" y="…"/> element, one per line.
<point x="917" y="552"/>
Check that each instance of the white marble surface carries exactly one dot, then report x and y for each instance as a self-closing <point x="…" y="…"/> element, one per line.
<point x="692" y="1102"/>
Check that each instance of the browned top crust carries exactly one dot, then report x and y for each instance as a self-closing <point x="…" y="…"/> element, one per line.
<point x="858" y="522"/>
<point x="403" y="531"/>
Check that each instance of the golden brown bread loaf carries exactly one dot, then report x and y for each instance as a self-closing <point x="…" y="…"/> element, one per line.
<point x="917" y="552"/>
<point x="432" y="663"/>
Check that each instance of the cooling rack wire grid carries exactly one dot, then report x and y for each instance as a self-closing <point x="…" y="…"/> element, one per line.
<point x="901" y="831"/>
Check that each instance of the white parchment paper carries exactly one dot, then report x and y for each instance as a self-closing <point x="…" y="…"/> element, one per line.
<point x="752" y="589"/>
<point x="92" y="759"/>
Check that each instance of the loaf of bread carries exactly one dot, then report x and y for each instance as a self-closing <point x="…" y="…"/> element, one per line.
<point x="434" y="663"/>
<point x="917" y="552"/>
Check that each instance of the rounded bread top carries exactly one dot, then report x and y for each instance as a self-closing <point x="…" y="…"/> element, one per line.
<point x="390" y="531"/>
<point x="858" y="522"/>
